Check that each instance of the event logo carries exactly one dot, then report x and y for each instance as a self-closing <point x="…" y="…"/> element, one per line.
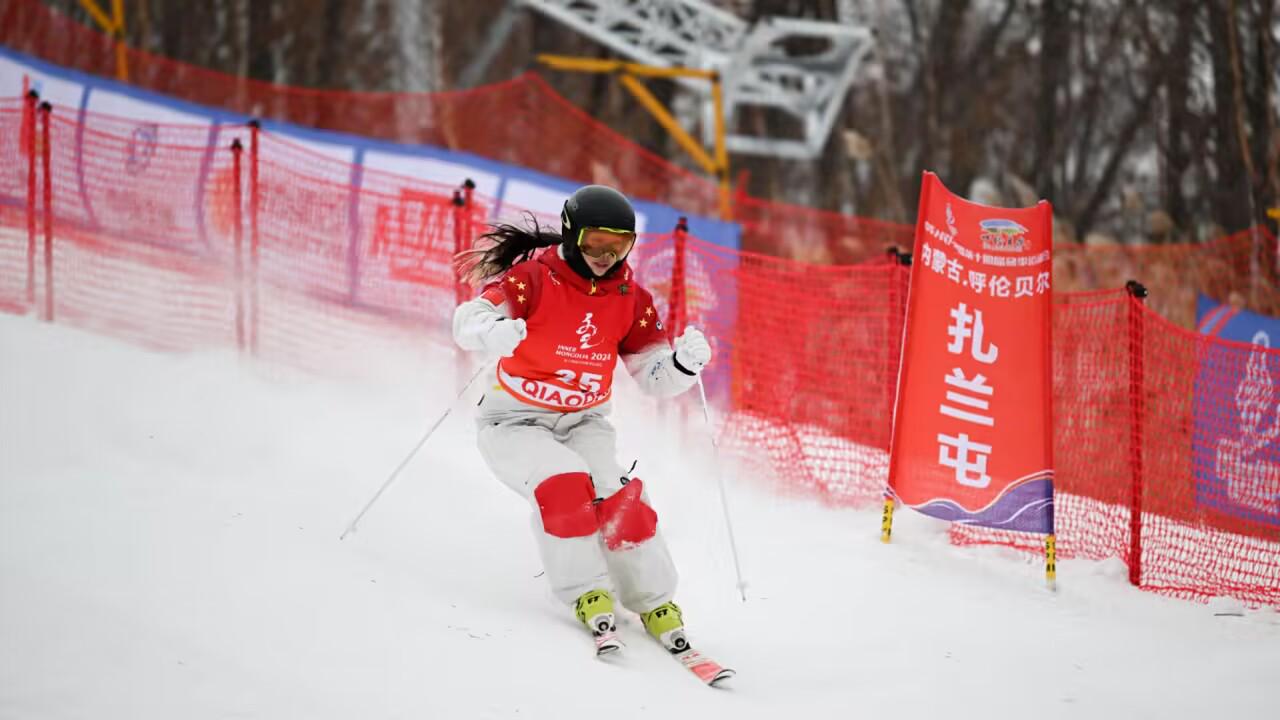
<point x="1236" y="438"/>
<point x="587" y="333"/>
<point x="142" y="147"/>
<point x="1003" y="236"/>
<point x="1244" y="459"/>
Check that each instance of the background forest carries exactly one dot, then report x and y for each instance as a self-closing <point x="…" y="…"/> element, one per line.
<point x="1149" y="120"/>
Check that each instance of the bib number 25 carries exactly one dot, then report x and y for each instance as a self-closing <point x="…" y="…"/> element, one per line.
<point x="587" y="381"/>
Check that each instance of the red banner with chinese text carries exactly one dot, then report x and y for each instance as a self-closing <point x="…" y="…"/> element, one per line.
<point x="972" y="432"/>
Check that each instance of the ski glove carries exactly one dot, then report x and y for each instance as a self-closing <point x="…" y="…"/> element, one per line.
<point x="693" y="352"/>
<point x="504" y="336"/>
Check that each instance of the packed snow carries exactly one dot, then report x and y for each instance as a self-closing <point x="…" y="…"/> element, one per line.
<point x="169" y="549"/>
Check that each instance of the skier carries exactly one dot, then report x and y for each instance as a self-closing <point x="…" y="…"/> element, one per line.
<point x="559" y="319"/>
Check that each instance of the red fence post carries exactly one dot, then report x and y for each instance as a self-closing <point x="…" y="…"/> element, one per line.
<point x="468" y="190"/>
<point x="29" y="143"/>
<point x="468" y="232"/>
<point x="1136" y="293"/>
<point x="459" y="211"/>
<point x="899" y="278"/>
<point x="237" y="199"/>
<point x="254" y="127"/>
<point x="463" y="237"/>
<point x="676" y="310"/>
<point x="462" y="233"/>
<point x="45" y="111"/>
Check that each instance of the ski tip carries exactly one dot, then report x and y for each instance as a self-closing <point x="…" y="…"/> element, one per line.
<point x="721" y="677"/>
<point x="708" y="671"/>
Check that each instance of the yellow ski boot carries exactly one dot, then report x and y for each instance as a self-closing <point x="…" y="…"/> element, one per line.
<point x="666" y="624"/>
<point x="595" y="609"/>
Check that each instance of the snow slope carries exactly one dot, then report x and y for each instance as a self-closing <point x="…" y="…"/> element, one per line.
<point x="169" y="549"/>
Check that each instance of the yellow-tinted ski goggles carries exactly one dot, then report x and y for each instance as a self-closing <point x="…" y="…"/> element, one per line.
<point x="599" y="241"/>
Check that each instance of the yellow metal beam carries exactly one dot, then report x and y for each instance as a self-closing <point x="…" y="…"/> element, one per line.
<point x="114" y="26"/>
<point x="722" y="153"/>
<point x="669" y="123"/>
<point x="122" y="58"/>
<point x="601" y="65"/>
<point x="1274" y="213"/>
<point x="98" y="14"/>
<point x="578" y="64"/>
<point x="628" y="73"/>
<point x="668" y="72"/>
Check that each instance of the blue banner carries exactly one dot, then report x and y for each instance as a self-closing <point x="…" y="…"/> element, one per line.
<point x="504" y="183"/>
<point x="507" y="192"/>
<point x="1236" y="438"/>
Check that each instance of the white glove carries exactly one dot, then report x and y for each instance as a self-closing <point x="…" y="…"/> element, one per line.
<point x="693" y="352"/>
<point x="504" y="336"/>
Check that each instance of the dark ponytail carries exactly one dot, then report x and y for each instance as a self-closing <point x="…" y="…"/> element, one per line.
<point x="500" y="248"/>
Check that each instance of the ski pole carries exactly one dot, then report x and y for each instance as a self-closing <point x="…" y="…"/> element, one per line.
<point x="724" y="497"/>
<point x="421" y="441"/>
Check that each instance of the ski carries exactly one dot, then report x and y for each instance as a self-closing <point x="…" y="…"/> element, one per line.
<point x="708" y="671"/>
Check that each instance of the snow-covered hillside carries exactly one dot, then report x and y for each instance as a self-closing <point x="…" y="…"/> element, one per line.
<point x="169" y="549"/>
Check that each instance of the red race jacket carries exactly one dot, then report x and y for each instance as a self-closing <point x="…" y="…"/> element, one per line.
<point x="577" y="329"/>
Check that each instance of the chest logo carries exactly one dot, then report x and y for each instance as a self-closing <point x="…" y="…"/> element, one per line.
<point x="587" y="334"/>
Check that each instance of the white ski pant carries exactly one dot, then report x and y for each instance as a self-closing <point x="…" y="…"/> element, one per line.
<point x="525" y="447"/>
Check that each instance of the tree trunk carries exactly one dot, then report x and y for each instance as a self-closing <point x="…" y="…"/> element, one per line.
<point x="1230" y="191"/>
<point x="1122" y="144"/>
<point x="1266" y="144"/>
<point x="943" y="40"/>
<point x="1054" y="47"/>
<point x="1177" y="81"/>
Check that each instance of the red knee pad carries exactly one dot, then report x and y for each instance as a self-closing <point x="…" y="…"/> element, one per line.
<point x="625" y="518"/>
<point x="566" y="502"/>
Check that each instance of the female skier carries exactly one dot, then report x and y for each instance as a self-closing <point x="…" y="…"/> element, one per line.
<point x="559" y="319"/>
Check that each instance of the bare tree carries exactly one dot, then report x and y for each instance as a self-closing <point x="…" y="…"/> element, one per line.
<point x="1106" y="107"/>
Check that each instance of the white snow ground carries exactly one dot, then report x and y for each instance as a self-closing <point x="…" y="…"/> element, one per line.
<point x="169" y="549"/>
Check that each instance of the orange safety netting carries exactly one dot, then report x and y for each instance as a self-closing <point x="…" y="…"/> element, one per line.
<point x="494" y="121"/>
<point x="1166" y="452"/>
<point x="1164" y="438"/>
<point x="1242" y="269"/>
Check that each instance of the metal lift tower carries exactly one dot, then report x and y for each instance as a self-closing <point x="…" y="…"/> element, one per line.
<point x="755" y="69"/>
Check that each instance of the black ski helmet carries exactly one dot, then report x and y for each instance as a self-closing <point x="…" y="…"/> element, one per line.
<point x="593" y="206"/>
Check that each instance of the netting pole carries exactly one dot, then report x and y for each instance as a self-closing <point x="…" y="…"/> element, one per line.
<point x="676" y="316"/>
<point x="460" y="212"/>
<point x="900" y="261"/>
<point x="29" y="142"/>
<point x="45" y="111"/>
<point x="460" y="204"/>
<point x="237" y="200"/>
<point x="468" y="232"/>
<point x="254" y="128"/>
<point x="468" y="197"/>
<point x="1045" y="211"/>
<point x="1136" y="294"/>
